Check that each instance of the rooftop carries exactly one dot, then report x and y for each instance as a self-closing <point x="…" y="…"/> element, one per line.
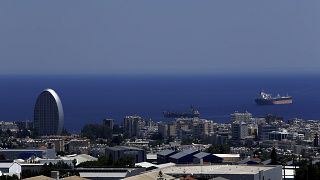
<point x="74" y="178"/>
<point x="228" y="155"/>
<point x="80" y="158"/>
<point x="149" y="176"/>
<point x="145" y="164"/>
<point x="183" y="153"/>
<point x="39" y="178"/>
<point x="20" y="150"/>
<point x="165" y="152"/>
<point x="216" y="169"/>
<point x="120" y="148"/>
<point x="201" y="155"/>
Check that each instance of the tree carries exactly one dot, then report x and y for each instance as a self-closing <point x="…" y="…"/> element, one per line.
<point x="187" y="141"/>
<point x="7" y="177"/>
<point x="117" y="129"/>
<point x="22" y="133"/>
<point x="9" y="132"/>
<point x="74" y="162"/>
<point x="61" y="153"/>
<point x="126" y="161"/>
<point x="160" y="176"/>
<point x="307" y="170"/>
<point x="103" y="161"/>
<point x="95" y="131"/>
<point x="170" y="139"/>
<point x="2" y="157"/>
<point x="116" y="140"/>
<point x="218" y="149"/>
<point x="274" y="157"/>
<point x="28" y="173"/>
<point x="60" y="166"/>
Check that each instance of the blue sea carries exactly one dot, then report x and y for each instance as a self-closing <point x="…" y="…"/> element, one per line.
<point x="90" y="99"/>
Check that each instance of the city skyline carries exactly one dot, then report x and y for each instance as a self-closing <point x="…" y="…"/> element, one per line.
<point x="159" y="89"/>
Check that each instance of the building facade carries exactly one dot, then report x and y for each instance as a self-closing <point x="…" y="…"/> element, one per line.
<point x="132" y="125"/>
<point x="108" y="123"/>
<point x="48" y="114"/>
<point x="117" y="152"/>
<point x="241" y="117"/>
<point x="239" y="130"/>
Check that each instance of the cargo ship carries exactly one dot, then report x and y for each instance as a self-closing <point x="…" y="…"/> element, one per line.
<point x="268" y="99"/>
<point x="191" y="114"/>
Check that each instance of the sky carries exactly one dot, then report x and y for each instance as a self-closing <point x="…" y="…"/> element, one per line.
<point x="159" y="37"/>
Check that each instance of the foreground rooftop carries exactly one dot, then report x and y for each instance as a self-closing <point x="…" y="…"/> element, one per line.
<point x="215" y="169"/>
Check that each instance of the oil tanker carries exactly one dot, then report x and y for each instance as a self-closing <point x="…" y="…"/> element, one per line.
<point x="191" y="114"/>
<point x="267" y="99"/>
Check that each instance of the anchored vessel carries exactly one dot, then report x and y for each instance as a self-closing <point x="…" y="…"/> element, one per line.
<point x="191" y="114"/>
<point x="268" y="99"/>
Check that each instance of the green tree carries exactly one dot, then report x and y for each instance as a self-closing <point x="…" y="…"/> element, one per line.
<point x="29" y="173"/>
<point x="95" y="131"/>
<point x="74" y="162"/>
<point x="307" y="171"/>
<point x="61" y="153"/>
<point x="7" y="177"/>
<point x="103" y="161"/>
<point x="2" y="157"/>
<point x="274" y="160"/>
<point x="116" y="140"/>
<point x="218" y="149"/>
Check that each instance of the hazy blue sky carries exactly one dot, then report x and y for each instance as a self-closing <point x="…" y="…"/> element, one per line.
<point x="159" y="37"/>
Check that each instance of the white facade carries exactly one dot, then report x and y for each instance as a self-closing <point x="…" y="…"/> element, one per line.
<point x="10" y="169"/>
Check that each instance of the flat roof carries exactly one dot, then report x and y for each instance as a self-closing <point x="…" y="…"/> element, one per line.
<point x="119" y="148"/>
<point x="165" y="152"/>
<point x="166" y="165"/>
<point x="149" y="176"/>
<point x="152" y="156"/>
<point x="21" y="150"/>
<point x="6" y="164"/>
<point x="145" y="164"/>
<point x="41" y="177"/>
<point x="201" y="155"/>
<point x="215" y="169"/>
<point x="74" y="178"/>
<point x="183" y="153"/>
<point x="228" y="155"/>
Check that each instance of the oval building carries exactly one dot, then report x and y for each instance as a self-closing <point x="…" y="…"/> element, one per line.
<point x="48" y="114"/>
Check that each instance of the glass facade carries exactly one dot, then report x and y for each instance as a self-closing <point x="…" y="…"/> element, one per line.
<point x="48" y="114"/>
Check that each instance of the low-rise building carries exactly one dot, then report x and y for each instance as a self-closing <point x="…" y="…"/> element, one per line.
<point x="163" y="156"/>
<point x="10" y="168"/>
<point x="231" y="172"/>
<point x="79" y="146"/>
<point x="108" y="173"/>
<point x="118" y="152"/>
<point x="183" y="157"/>
<point x="278" y="135"/>
<point x="229" y="157"/>
<point x="206" y="158"/>
<point x="11" y="154"/>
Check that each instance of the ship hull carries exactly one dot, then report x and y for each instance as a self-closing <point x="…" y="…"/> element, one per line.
<point x="180" y="115"/>
<point x="274" y="101"/>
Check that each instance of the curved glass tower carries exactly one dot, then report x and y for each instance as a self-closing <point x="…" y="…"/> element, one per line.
<point x="48" y="114"/>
